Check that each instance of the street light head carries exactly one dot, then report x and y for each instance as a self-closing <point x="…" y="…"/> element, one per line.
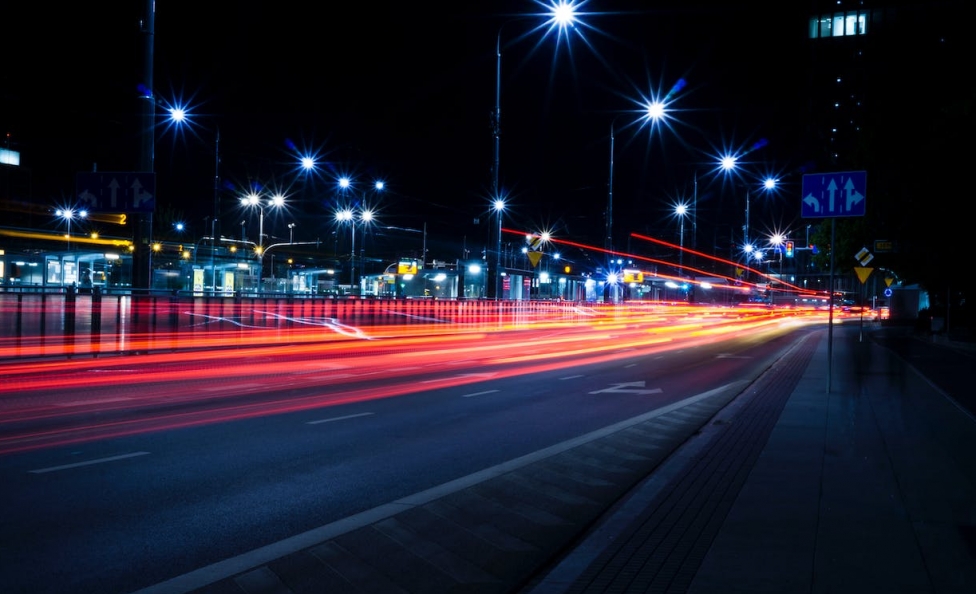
<point x="681" y="210"/>
<point x="379" y="185"/>
<point x="308" y="163"/>
<point x="564" y="14"/>
<point x="344" y="182"/>
<point x="728" y="162"/>
<point x="366" y="216"/>
<point x="277" y="200"/>
<point x="344" y="215"/>
<point x="655" y="110"/>
<point x="498" y="205"/>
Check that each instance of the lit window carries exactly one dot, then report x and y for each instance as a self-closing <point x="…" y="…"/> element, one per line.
<point x="840" y="24"/>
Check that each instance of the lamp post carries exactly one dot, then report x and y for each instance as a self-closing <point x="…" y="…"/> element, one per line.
<point x="68" y="214"/>
<point x="562" y="15"/>
<point x="363" y="214"/>
<point x="729" y="164"/>
<point x="180" y="115"/>
<point x="499" y="207"/>
<point x="349" y="216"/>
<point x="680" y="211"/>
<point x="254" y="200"/>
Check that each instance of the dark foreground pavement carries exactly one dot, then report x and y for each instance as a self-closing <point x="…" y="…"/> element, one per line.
<point x="853" y="472"/>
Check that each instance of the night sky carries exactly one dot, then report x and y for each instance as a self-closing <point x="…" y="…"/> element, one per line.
<point x="405" y="93"/>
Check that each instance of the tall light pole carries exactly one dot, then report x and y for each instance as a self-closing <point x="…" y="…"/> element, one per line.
<point x="680" y="211"/>
<point x="216" y="213"/>
<point x="499" y="207"/>
<point x="349" y="216"/>
<point x="179" y="115"/>
<point x="562" y="15"/>
<point x="254" y="200"/>
<point x="730" y="165"/>
<point x="68" y="214"/>
<point x="653" y="111"/>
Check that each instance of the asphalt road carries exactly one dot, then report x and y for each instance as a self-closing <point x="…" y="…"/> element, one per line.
<point x="123" y="512"/>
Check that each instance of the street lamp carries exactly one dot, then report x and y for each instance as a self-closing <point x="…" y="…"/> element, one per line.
<point x="562" y="15"/>
<point x="350" y="215"/>
<point x="254" y="200"/>
<point x="729" y="164"/>
<point x="68" y="214"/>
<point x="179" y="115"/>
<point x="680" y="211"/>
<point x="499" y="207"/>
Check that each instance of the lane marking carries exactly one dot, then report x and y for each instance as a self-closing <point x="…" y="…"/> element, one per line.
<point x="87" y="463"/>
<point x="329" y="420"/>
<point x="479" y="393"/>
<point x="569" y="377"/>
<point x="628" y="388"/>
<point x="205" y="576"/>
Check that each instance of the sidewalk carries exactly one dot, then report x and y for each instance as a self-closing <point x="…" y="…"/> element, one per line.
<point x="868" y="488"/>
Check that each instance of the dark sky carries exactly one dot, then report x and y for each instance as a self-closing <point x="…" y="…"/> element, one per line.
<point x="405" y="92"/>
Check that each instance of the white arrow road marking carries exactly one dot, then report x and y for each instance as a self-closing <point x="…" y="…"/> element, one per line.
<point x="628" y="388"/>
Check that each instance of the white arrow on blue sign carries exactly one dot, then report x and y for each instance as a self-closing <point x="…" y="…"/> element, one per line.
<point x="840" y="194"/>
<point x="116" y="191"/>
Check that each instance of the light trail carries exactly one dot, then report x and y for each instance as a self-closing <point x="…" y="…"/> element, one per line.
<point x="49" y="403"/>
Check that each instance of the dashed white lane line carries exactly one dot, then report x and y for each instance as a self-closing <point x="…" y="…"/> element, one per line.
<point x="343" y="418"/>
<point x="87" y="463"/>
<point x="478" y="393"/>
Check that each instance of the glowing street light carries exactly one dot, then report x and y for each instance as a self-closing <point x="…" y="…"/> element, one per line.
<point x="562" y="16"/>
<point x="499" y="208"/>
<point x="69" y="214"/>
<point x="364" y="215"/>
<point x="680" y="211"/>
<point x="180" y="116"/>
<point x="729" y="164"/>
<point x="251" y="200"/>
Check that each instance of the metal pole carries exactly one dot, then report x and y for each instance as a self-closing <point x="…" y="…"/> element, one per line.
<point x="496" y="135"/>
<point x="216" y="205"/>
<point x="830" y="302"/>
<point x="352" y="257"/>
<point x="745" y="229"/>
<point x="681" y="244"/>
<point x="260" y="246"/>
<point x="609" y="242"/>
<point x="694" y="219"/>
<point x="498" y="257"/>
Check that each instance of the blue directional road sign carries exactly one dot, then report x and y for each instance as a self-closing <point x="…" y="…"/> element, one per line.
<point x="827" y="195"/>
<point x="115" y="191"/>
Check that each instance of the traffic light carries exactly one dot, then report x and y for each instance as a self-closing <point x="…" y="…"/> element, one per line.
<point x="789" y="249"/>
